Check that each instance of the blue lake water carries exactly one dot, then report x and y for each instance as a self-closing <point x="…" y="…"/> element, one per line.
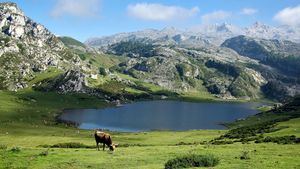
<point x="161" y="115"/>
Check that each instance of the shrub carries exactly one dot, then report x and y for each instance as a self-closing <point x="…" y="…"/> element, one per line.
<point x="3" y="147"/>
<point x="102" y="71"/>
<point x="279" y="140"/>
<point x="245" y="155"/>
<point x="82" y="56"/>
<point x="192" y="161"/>
<point x="112" y="87"/>
<point x="71" y="145"/>
<point x="15" y="149"/>
<point x="251" y="131"/>
<point x="221" y="142"/>
<point x="44" y="153"/>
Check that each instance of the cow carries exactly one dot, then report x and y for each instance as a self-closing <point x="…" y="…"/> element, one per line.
<point x="105" y="138"/>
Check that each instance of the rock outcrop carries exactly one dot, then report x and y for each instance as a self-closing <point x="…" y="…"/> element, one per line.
<point x="27" y="47"/>
<point x="72" y="81"/>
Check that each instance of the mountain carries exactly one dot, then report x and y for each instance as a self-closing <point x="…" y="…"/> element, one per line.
<point x="27" y="48"/>
<point x="166" y="36"/>
<point x="242" y="67"/>
<point x="281" y="54"/>
<point x="263" y="31"/>
<point x="283" y="58"/>
<point x="203" y="35"/>
<point x="33" y="57"/>
<point x="209" y="61"/>
<point x="218" y="70"/>
<point x="216" y="33"/>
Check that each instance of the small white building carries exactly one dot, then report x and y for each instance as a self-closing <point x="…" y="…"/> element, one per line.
<point x="94" y="76"/>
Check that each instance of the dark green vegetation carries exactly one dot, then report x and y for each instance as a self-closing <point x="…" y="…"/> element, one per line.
<point x="279" y="140"/>
<point x="67" y="145"/>
<point x="256" y="127"/>
<point x="192" y="161"/>
<point x="133" y="48"/>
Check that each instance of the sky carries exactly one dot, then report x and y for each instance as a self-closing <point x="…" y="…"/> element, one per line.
<point x="82" y="19"/>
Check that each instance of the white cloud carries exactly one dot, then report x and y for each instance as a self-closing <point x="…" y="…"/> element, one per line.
<point x="159" y="12"/>
<point x="215" y="16"/>
<point x="80" y="8"/>
<point x="289" y="16"/>
<point x="249" y="11"/>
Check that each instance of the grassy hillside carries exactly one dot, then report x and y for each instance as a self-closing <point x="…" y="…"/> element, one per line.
<point x="27" y="124"/>
<point x="71" y="41"/>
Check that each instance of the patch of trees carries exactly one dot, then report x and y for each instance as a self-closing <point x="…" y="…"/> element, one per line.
<point x="224" y="68"/>
<point x="276" y="90"/>
<point x="279" y="140"/>
<point x="288" y="64"/>
<point x="133" y="48"/>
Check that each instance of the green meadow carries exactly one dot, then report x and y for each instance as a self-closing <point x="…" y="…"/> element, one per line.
<point x="28" y="131"/>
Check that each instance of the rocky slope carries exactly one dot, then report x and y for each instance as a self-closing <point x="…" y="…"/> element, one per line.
<point x="283" y="58"/>
<point x="264" y="63"/>
<point x="284" y="55"/>
<point x="242" y="67"/>
<point x="220" y="70"/>
<point x="70" y="81"/>
<point x="171" y="60"/>
<point x="28" y="47"/>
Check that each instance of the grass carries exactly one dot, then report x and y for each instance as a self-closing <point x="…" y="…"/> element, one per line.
<point x="48" y="74"/>
<point x="70" y="41"/>
<point x="196" y="96"/>
<point x="261" y="156"/>
<point x="27" y="122"/>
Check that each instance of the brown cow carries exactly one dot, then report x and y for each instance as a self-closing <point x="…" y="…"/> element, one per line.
<point x="104" y="138"/>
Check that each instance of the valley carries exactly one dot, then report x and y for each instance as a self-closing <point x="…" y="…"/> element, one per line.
<point x="43" y="74"/>
<point x="28" y="125"/>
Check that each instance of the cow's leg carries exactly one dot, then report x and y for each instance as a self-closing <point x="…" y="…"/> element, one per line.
<point x="97" y="144"/>
<point x="103" y="146"/>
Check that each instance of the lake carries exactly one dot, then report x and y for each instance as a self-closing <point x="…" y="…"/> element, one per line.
<point x="161" y="115"/>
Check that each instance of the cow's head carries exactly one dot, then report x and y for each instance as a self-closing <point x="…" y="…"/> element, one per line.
<point x="112" y="147"/>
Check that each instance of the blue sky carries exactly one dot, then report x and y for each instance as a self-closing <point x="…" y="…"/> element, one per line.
<point x="82" y="19"/>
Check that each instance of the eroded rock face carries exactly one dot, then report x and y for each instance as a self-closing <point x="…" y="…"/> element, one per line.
<point x="27" y="47"/>
<point x="70" y="81"/>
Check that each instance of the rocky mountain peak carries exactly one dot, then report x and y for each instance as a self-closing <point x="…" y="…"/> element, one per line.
<point x="27" y="47"/>
<point x="258" y="24"/>
<point x="260" y="27"/>
<point x="225" y="27"/>
<point x="12" y="21"/>
<point x="15" y="24"/>
<point x="11" y="7"/>
<point x="170" y="30"/>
